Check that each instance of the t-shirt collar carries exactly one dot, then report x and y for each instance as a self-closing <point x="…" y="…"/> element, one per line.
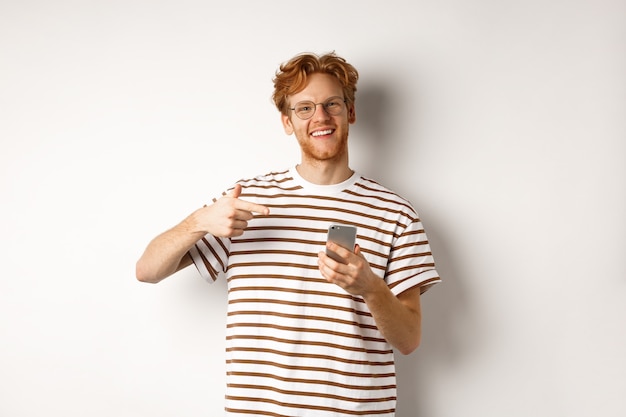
<point x="318" y="189"/>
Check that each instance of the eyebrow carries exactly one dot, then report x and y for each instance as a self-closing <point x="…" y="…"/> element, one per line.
<point x="326" y="99"/>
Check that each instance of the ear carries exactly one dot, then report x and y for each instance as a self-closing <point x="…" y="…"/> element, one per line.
<point x="351" y="113"/>
<point x="286" y="124"/>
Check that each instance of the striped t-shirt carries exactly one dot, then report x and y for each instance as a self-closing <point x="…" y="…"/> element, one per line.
<point x="297" y="345"/>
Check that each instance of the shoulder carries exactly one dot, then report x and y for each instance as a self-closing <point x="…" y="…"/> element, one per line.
<point x="370" y="189"/>
<point x="275" y="177"/>
<point x="272" y="176"/>
<point x="274" y="180"/>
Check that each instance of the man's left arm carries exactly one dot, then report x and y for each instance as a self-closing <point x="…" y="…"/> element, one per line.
<point x="398" y="318"/>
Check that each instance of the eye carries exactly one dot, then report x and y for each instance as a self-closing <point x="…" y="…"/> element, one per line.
<point x="304" y="107"/>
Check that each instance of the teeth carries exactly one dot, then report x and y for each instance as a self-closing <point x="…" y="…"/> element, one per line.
<point x="322" y="132"/>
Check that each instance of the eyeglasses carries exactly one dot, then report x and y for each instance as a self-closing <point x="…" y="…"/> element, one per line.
<point x="306" y="109"/>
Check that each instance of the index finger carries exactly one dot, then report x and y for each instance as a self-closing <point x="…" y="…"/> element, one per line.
<point x="337" y="252"/>
<point x="251" y="207"/>
<point x="341" y="250"/>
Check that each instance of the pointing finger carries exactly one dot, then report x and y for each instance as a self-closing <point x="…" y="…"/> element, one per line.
<point x="252" y="207"/>
<point x="246" y="205"/>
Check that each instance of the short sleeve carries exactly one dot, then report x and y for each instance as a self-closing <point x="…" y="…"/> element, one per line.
<point x="210" y="256"/>
<point x="411" y="261"/>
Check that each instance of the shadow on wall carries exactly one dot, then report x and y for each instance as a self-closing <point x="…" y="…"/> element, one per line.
<point x="376" y="133"/>
<point x="368" y="146"/>
<point x="445" y="308"/>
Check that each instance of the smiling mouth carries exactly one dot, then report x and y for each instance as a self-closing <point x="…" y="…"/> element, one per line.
<point x="322" y="133"/>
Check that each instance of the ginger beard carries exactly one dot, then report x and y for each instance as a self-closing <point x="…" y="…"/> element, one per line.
<point x="328" y="148"/>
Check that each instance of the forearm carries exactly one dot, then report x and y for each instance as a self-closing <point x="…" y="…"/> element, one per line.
<point x="166" y="253"/>
<point x="397" y="318"/>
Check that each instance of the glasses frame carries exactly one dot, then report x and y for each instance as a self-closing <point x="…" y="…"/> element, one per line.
<point x="323" y="103"/>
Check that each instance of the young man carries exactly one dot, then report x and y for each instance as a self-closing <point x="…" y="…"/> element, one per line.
<point x="308" y="335"/>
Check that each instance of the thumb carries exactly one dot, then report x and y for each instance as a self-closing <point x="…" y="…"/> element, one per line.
<point x="235" y="192"/>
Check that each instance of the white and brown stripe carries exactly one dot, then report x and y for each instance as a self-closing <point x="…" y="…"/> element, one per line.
<point x="296" y="344"/>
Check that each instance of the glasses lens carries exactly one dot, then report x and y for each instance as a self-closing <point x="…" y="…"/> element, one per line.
<point x="334" y="106"/>
<point x="304" y="109"/>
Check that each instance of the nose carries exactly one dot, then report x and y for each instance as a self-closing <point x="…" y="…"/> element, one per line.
<point x="320" y="112"/>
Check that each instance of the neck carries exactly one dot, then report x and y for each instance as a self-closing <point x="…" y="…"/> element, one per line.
<point x="323" y="172"/>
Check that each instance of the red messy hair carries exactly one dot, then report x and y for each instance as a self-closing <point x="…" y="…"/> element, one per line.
<point x="292" y="76"/>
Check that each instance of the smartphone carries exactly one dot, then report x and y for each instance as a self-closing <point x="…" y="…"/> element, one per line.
<point x="343" y="235"/>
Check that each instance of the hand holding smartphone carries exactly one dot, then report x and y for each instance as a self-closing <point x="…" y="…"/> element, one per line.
<point x="344" y="236"/>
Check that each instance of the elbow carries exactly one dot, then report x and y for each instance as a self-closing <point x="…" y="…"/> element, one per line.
<point x="407" y="350"/>
<point x="410" y="345"/>
<point x="144" y="275"/>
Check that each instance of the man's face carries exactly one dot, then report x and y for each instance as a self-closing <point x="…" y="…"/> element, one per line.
<point x="323" y="137"/>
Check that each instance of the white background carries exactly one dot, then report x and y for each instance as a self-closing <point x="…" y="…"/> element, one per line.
<point x="502" y="121"/>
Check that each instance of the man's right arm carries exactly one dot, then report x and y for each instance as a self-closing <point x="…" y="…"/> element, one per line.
<point x="169" y="252"/>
